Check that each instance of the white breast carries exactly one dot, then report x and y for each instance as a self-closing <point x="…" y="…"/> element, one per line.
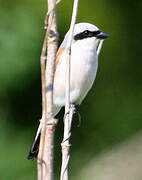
<point x="84" y="64"/>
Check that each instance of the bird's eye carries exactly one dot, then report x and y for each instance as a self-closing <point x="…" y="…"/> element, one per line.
<point x="86" y="32"/>
<point x="96" y="32"/>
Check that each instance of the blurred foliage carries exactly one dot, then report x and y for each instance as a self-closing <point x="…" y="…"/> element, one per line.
<point x="111" y="112"/>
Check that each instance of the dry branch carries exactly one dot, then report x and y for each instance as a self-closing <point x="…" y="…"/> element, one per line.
<point x="48" y="123"/>
<point x="69" y="109"/>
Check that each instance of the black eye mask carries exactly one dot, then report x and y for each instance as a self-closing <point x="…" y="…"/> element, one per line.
<point x="86" y="34"/>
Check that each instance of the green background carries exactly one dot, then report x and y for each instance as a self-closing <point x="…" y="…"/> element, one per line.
<point x="110" y="114"/>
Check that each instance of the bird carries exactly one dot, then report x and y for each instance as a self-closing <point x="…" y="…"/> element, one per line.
<point x="83" y="69"/>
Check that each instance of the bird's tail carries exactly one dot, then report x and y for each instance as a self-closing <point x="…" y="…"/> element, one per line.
<point x="35" y="146"/>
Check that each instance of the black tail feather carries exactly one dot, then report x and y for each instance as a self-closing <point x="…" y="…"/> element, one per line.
<point x="34" y="149"/>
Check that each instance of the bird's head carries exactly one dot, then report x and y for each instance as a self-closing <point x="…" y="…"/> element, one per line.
<point x="87" y="33"/>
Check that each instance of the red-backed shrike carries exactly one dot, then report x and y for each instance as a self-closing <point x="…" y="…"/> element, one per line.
<point x="84" y="64"/>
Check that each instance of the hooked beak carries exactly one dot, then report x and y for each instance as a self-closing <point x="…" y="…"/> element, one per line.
<point x="102" y="35"/>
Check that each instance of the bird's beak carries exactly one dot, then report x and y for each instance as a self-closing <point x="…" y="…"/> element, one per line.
<point x="102" y="35"/>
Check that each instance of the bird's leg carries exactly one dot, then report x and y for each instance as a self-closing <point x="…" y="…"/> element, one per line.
<point x="76" y="112"/>
<point x="76" y="106"/>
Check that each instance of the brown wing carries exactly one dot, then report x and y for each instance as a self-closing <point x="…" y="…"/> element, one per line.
<point x="58" y="55"/>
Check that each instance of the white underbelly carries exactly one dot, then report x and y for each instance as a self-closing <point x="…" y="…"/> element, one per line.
<point x="83" y="73"/>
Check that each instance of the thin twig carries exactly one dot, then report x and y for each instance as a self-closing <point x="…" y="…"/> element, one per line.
<point x="99" y="47"/>
<point x="43" y="67"/>
<point x="48" y="123"/>
<point x="69" y="110"/>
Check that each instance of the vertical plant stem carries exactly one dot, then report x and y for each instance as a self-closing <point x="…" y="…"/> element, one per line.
<point x="69" y="109"/>
<point x="48" y="123"/>
<point x="99" y="47"/>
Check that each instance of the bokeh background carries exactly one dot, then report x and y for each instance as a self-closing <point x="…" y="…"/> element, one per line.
<point x="111" y="115"/>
